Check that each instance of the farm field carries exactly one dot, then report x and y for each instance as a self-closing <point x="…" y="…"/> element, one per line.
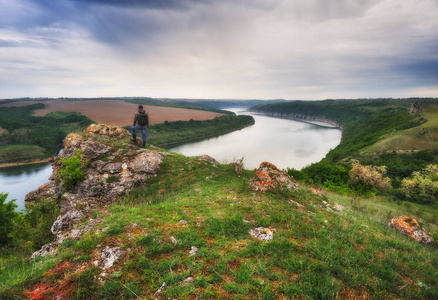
<point x="117" y="112"/>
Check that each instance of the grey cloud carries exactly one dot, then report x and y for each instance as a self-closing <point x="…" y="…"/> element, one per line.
<point x="156" y="4"/>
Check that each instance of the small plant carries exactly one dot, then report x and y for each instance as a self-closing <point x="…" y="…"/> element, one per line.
<point x="115" y="230"/>
<point x="238" y="166"/>
<point x="111" y="179"/>
<point x="72" y="172"/>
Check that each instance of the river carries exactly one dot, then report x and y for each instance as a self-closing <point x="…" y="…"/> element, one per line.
<point x="20" y="180"/>
<point x="285" y="143"/>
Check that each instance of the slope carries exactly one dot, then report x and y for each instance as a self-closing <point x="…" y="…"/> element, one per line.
<point x="185" y="234"/>
<point x="422" y="137"/>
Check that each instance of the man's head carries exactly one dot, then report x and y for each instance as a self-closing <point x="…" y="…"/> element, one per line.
<point x="140" y="106"/>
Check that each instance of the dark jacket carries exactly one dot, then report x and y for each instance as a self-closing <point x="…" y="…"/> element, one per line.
<point x="141" y="111"/>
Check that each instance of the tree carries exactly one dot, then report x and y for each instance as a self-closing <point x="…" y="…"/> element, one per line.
<point x="7" y="214"/>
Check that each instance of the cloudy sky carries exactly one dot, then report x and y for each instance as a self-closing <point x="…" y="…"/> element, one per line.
<point x="263" y="49"/>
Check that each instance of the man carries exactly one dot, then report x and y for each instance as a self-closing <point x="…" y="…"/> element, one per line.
<point x="142" y="119"/>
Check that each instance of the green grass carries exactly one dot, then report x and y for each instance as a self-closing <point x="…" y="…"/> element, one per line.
<point x="421" y="137"/>
<point x="17" y="153"/>
<point x="315" y="253"/>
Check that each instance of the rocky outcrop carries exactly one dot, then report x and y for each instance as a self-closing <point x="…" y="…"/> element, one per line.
<point x="111" y="165"/>
<point x="269" y="177"/>
<point x="409" y="227"/>
<point x="416" y="108"/>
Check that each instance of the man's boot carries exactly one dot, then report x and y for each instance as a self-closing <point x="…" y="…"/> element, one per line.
<point x="134" y="139"/>
<point x="144" y="144"/>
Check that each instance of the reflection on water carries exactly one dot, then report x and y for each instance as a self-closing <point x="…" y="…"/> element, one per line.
<point x="20" y="180"/>
<point x="285" y="143"/>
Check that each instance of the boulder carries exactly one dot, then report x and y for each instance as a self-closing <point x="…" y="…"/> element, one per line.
<point x="146" y="162"/>
<point x="269" y="177"/>
<point x="105" y="130"/>
<point x="261" y="233"/>
<point x="409" y="227"/>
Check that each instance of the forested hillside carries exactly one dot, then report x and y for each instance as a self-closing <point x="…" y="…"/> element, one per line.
<point x="24" y="137"/>
<point x="374" y="155"/>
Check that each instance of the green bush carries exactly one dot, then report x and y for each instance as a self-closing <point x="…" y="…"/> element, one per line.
<point x="422" y="186"/>
<point x="72" y="172"/>
<point x="32" y="228"/>
<point x="321" y="172"/>
<point x="369" y="176"/>
<point x="7" y="214"/>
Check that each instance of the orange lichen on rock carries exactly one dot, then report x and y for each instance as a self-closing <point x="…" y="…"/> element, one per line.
<point x="409" y="227"/>
<point x="104" y="129"/>
<point x="268" y="177"/>
<point x="315" y="191"/>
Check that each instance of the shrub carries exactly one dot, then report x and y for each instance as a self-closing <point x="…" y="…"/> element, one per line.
<point x="422" y="186"/>
<point x="371" y="176"/>
<point x="321" y="172"/>
<point x="33" y="227"/>
<point x="7" y="214"/>
<point x="72" y="172"/>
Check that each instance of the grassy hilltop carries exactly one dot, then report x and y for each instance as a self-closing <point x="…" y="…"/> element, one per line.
<point x="319" y="250"/>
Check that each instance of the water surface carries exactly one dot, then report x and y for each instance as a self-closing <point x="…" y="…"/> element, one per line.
<point x="20" y="180"/>
<point x="283" y="142"/>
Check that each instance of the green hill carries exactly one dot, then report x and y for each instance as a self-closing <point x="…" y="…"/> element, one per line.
<point x="422" y="137"/>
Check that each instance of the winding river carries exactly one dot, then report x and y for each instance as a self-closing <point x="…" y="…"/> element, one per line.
<point x="283" y="142"/>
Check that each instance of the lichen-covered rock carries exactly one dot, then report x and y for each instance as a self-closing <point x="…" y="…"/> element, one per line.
<point x="109" y="256"/>
<point x="46" y="249"/>
<point x="268" y="177"/>
<point x="409" y="227"/>
<point x="93" y="149"/>
<point x="261" y="233"/>
<point x="64" y="221"/>
<point x="109" y="172"/>
<point x="106" y="130"/>
<point x="146" y="162"/>
<point x="112" y="168"/>
<point x="209" y="159"/>
<point x="50" y="189"/>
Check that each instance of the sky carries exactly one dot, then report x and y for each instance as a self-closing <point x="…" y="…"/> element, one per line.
<point x="219" y="49"/>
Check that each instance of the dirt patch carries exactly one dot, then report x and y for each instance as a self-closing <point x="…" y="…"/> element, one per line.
<point x="117" y="112"/>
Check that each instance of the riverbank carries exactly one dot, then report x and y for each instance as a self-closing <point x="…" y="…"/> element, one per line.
<point x="201" y="137"/>
<point x="301" y="117"/>
<point x="24" y="163"/>
<point x="181" y="131"/>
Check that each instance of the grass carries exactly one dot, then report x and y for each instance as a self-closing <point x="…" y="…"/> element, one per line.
<point x="315" y="253"/>
<point x="19" y="153"/>
<point x="421" y="137"/>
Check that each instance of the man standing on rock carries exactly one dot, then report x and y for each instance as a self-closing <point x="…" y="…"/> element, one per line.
<point x="141" y="121"/>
